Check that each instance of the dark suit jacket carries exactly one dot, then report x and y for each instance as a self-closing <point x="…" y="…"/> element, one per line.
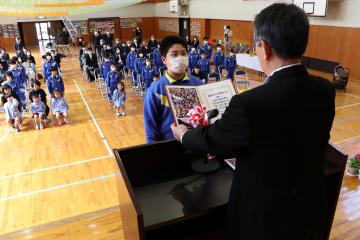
<point x="152" y="44"/>
<point x="278" y="132"/>
<point x="91" y="62"/>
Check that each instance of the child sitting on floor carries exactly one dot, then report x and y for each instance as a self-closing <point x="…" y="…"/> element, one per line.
<point x="38" y="110"/>
<point x="59" y="107"/>
<point x="13" y="112"/>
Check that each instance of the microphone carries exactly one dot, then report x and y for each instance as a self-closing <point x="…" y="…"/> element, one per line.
<point x="211" y="114"/>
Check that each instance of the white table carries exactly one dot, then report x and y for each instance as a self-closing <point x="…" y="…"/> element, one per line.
<point x="251" y="62"/>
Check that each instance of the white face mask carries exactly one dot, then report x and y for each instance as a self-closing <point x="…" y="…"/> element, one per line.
<point x="132" y="49"/>
<point x="178" y="64"/>
<point x="113" y="69"/>
<point x="141" y="55"/>
<point x="219" y="49"/>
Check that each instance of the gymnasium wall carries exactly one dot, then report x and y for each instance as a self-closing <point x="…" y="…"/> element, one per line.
<point x="342" y="13"/>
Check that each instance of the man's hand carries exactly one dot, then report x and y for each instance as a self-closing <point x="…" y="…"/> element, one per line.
<point x="178" y="131"/>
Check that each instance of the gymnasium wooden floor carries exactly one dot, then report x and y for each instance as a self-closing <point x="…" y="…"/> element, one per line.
<point x="59" y="183"/>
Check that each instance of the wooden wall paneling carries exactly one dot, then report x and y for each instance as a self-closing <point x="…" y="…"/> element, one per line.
<point x="335" y="44"/>
<point x="8" y="44"/>
<point x="29" y="34"/>
<point x="148" y="28"/>
<point x="147" y="25"/>
<point x="117" y="28"/>
<point x="242" y="30"/>
<point x="207" y="28"/>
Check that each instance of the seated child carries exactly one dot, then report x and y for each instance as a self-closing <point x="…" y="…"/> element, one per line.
<point x="197" y="73"/>
<point x="119" y="98"/>
<point x="38" y="110"/>
<point x="37" y="90"/>
<point x="13" y="112"/>
<point x="59" y="107"/>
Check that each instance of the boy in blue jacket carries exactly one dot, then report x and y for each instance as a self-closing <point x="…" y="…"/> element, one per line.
<point x="230" y="64"/>
<point x="148" y="74"/>
<point x="112" y="79"/>
<point x="139" y="65"/>
<point x="157" y="113"/>
<point x="16" y="81"/>
<point x="206" y="48"/>
<point x="55" y="82"/>
<point x="194" y="58"/>
<point x="47" y="65"/>
<point x="157" y="58"/>
<point x="204" y="65"/>
<point x="219" y="57"/>
<point x="130" y="63"/>
<point x="105" y="66"/>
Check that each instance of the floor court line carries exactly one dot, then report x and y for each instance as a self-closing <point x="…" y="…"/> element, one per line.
<point x="94" y="120"/>
<point x="48" y="130"/>
<point x="347" y="119"/>
<point x="346" y="140"/>
<point x="346" y="106"/>
<point x="57" y="187"/>
<point x="351" y="95"/>
<point x="53" y="167"/>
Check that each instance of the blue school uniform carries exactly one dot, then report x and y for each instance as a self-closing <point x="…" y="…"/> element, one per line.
<point x="105" y="68"/>
<point x="55" y="82"/>
<point x="157" y="59"/>
<point x="207" y="49"/>
<point x="17" y="86"/>
<point x="230" y="66"/>
<point x="219" y="58"/>
<point x="46" y="67"/>
<point x="148" y="75"/>
<point x="130" y="60"/>
<point x="23" y="75"/>
<point x="204" y="68"/>
<point x="119" y="97"/>
<point x="139" y="65"/>
<point x="59" y="105"/>
<point x="194" y="58"/>
<point x="19" y="77"/>
<point x="111" y="81"/>
<point x="38" y="107"/>
<point x="157" y="113"/>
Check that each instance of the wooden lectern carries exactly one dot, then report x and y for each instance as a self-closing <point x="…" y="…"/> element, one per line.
<point x="170" y="201"/>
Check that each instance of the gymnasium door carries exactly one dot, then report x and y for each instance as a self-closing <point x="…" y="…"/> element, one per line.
<point x="184" y="27"/>
<point x="35" y="33"/>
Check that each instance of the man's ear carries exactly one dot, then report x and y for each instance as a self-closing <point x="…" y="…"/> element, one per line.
<point x="164" y="60"/>
<point x="267" y="50"/>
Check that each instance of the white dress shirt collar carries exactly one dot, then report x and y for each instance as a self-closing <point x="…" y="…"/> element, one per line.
<point x="279" y="69"/>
